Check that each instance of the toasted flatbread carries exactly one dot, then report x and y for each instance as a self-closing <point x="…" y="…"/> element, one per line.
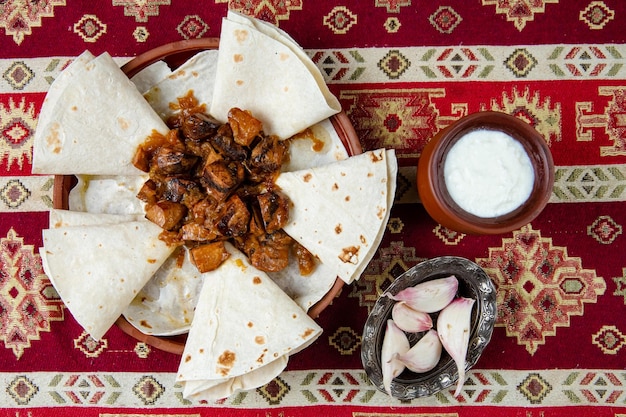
<point x="243" y="330"/>
<point x="93" y="123"/>
<point x="292" y="99"/>
<point x="340" y="210"/>
<point x="98" y="269"/>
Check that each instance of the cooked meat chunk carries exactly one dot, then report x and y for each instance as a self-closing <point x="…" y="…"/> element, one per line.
<point x="233" y="218"/>
<point x="271" y="253"/>
<point x="199" y="126"/>
<point x="306" y="260"/>
<point x="196" y="232"/>
<point x="220" y="178"/>
<point x="171" y="162"/>
<point x="244" y="126"/>
<point x="274" y="210"/>
<point x="267" y="156"/>
<point x="210" y="183"/>
<point x="141" y="159"/>
<point x="226" y="145"/>
<point x="166" y="214"/>
<point x="209" y="256"/>
<point x="147" y="192"/>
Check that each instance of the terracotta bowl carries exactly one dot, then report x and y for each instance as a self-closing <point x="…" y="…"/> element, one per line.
<point x="431" y="183"/>
<point x="175" y="54"/>
<point x="473" y="283"/>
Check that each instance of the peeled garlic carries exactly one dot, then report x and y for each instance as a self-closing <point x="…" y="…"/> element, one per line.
<point x="430" y="296"/>
<point x="394" y="342"/>
<point x="453" y="326"/>
<point x="424" y="355"/>
<point x="410" y="320"/>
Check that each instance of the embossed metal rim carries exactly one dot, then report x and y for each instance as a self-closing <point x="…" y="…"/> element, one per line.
<point x="473" y="282"/>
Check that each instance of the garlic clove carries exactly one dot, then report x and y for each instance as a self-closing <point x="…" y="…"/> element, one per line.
<point x="430" y="296"/>
<point x="410" y="320"/>
<point x="394" y="342"/>
<point x="424" y="355"/>
<point x="453" y="326"/>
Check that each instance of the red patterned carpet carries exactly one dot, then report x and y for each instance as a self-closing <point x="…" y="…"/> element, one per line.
<point x="402" y="70"/>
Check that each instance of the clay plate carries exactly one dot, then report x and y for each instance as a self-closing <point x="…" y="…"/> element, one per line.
<point x="175" y="54"/>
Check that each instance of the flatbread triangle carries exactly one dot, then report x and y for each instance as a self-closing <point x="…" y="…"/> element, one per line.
<point x="243" y="330"/>
<point x="340" y="210"/>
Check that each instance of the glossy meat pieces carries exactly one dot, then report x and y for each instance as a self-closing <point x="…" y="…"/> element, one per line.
<point x="244" y="126"/>
<point x="274" y="210"/>
<point x="166" y="214"/>
<point x="267" y="157"/>
<point x="198" y="126"/>
<point x="172" y="162"/>
<point x="209" y="183"/>
<point x="209" y="256"/>
<point x="225" y="143"/>
<point x="269" y="251"/>
<point x="220" y="178"/>
<point x="233" y="218"/>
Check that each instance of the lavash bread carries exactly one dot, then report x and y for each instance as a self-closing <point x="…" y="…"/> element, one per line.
<point x="93" y="123"/>
<point x="98" y="269"/>
<point x="165" y="306"/>
<point x="340" y="210"/>
<point x="244" y="323"/>
<point x="197" y="74"/>
<point x="292" y="99"/>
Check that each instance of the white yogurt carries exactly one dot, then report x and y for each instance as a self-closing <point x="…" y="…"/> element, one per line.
<point x="488" y="173"/>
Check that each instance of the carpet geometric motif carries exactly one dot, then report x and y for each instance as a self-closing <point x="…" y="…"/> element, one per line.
<point x="620" y="285"/>
<point x="17" y="125"/>
<point x="345" y="340"/>
<point x="521" y="62"/>
<point x="192" y="27"/>
<point x="612" y="118"/>
<point x="616" y="126"/>
<point x="519" y="12"/>
<point x="585" y="60"/>
<point x="539" y="287"/>
<point x="594" y="387"/>
<point x="339" y="387"/>
<point x="18" y="17"/>
<point x="590" y="183"/>
<point x="84" y="389"/>
<point x="269" y="10"/>
<point x="22" y="389"/>
<point x="148" y="389"/>
<point x="604" y="230"/>
<point x="18" y="75"/>
<point x="394" y="64"/>
<point x="90" y="28"/>
<point x="337" y="65"/>
<point x="402" y="119"/>
<point x="28" y="302"/>
<point x="535" y="110"/>
<point x="393" y="6"/>
<point x="448" y="236"/>
<point x="535" y="388"/>
<point x="14" y="194"/>
<point x="90" y="347"/>
<point x="462" y="62"/>
<point x="609" y="339"/>
<point x="141" y="10"/>
<point x="445" y="19"/>
<point x="274" y="391"/>
<point x="596" y="15"/>
<point x="340" y="19"/>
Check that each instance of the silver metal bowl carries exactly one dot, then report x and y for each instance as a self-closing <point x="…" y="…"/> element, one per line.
<point x="473" y="283"/>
